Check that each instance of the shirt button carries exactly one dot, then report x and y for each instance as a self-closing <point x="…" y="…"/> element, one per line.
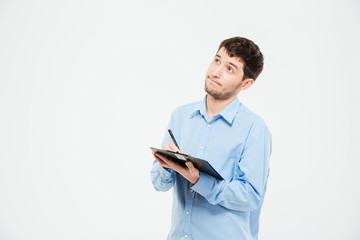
<point x="202" y="148"/>
<point x="186" y="236"/>
<point x="191" y="190"/>
<point x="209" y="125"/>
<point x="167" y="174"/>
<point x="187" y="213"/>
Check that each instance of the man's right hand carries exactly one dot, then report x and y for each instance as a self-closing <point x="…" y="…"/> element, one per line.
<point x="171" y="146"/>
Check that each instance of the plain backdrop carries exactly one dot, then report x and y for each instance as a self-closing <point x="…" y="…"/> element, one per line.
<point x="87" y="86"/>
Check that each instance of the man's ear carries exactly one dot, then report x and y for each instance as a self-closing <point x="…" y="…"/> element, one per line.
<point x="246" y="83"/>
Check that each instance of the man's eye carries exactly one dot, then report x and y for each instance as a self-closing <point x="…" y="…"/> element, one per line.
<point x="230" y="70"/>
<point x="217" y="60"/>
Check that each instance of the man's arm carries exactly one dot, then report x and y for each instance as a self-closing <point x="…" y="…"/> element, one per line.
<point x="163" y="179"/>
<point x="246" y="190"/>
<point x="189" y="172"/>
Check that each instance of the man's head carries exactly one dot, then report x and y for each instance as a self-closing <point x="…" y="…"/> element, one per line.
<point x="235" y="67"/>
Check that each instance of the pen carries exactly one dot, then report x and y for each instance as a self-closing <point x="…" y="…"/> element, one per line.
<point x="173" y="138"/>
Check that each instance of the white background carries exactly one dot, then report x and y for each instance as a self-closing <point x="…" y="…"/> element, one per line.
<point x="87" y="86"/>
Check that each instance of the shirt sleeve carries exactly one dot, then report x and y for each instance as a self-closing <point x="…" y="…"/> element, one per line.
<point x="246" y="190"/>
<point x="163" y="179"/>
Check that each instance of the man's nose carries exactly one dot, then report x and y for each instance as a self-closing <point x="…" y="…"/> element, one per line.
<point x="216" y="73"/>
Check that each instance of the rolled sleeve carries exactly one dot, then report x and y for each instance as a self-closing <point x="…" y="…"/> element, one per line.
<point x="162" y="179"/>
<point x="165" y="174"/>
<point x="204" y="184"/>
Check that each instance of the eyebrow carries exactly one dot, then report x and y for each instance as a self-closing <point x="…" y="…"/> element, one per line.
<point x="217" y="55"/>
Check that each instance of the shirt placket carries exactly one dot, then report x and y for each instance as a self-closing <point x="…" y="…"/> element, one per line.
<point x="191" y="196"/>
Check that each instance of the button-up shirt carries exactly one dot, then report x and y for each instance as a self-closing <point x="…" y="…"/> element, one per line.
<point x="237" y="144"/>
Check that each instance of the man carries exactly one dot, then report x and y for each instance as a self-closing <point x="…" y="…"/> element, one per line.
<point x="234" y="140"/>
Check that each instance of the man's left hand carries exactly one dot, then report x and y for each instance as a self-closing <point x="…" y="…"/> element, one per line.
<point x="189" y="172"/>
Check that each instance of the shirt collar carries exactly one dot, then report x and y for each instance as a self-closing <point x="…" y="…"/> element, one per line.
<point x="200" y="107"/>
<point x="228" y="114"/>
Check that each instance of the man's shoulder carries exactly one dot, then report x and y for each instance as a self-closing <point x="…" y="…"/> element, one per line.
<point x="187" y="108"/>
<point x="251" y="117"/>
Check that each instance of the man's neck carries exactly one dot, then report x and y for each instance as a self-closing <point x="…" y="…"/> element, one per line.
<point x="215" y="106"/>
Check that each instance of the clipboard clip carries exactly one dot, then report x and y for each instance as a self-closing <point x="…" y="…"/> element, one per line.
<point x="177" y="152"/>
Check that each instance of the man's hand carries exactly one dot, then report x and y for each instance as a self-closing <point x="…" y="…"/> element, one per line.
<point x="171" y="146"/>
<point x="189" y="172"/>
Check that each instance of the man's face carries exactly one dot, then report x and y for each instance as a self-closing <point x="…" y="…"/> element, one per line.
<point x="224" y="76"/>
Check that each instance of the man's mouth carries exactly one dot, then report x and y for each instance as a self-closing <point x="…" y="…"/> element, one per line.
<point x="214" y="81"/>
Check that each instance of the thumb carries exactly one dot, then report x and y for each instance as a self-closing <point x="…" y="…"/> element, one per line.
<point x="190" y="165"/>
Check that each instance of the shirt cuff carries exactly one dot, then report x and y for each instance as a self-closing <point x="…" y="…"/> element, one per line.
<point x="166" y="174"/>
<point x="204" y="184"/>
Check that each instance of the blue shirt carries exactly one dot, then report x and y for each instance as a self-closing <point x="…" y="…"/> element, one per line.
<point x="237" y="143"/>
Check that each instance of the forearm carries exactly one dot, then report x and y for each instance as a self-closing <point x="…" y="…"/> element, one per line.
<point x="246" y="189"/>
<point x="236" y="195"/>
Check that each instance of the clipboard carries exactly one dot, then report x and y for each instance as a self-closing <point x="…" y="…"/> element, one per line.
<point x="203" y="165"/>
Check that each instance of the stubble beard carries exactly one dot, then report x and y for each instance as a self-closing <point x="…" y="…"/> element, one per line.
<point x="221" y="95"/>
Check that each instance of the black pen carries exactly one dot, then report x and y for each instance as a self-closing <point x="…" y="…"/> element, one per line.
<point x="173" y="138"/>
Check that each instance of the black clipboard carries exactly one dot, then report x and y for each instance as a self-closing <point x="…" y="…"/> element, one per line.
<point x="203" y="165"/>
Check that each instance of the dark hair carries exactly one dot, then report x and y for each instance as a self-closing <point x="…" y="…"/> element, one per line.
<point x="248" y="52"/>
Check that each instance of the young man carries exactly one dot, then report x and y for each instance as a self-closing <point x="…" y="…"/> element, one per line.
<point x="234" y="140"/>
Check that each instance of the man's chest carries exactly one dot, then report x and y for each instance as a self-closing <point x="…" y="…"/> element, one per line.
<point x="217" y="142"/>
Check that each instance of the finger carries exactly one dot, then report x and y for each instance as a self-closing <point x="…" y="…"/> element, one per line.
<point x="166" y="146"/>
<point x="193" y="173"/>
<point x="191" y="167"/>
<point x="161" y="162"/>
<point x="173" y="165"/>
<point x="173" y="146"/>
<point x="165" y="160"/>
<point x="155" y="155"/>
